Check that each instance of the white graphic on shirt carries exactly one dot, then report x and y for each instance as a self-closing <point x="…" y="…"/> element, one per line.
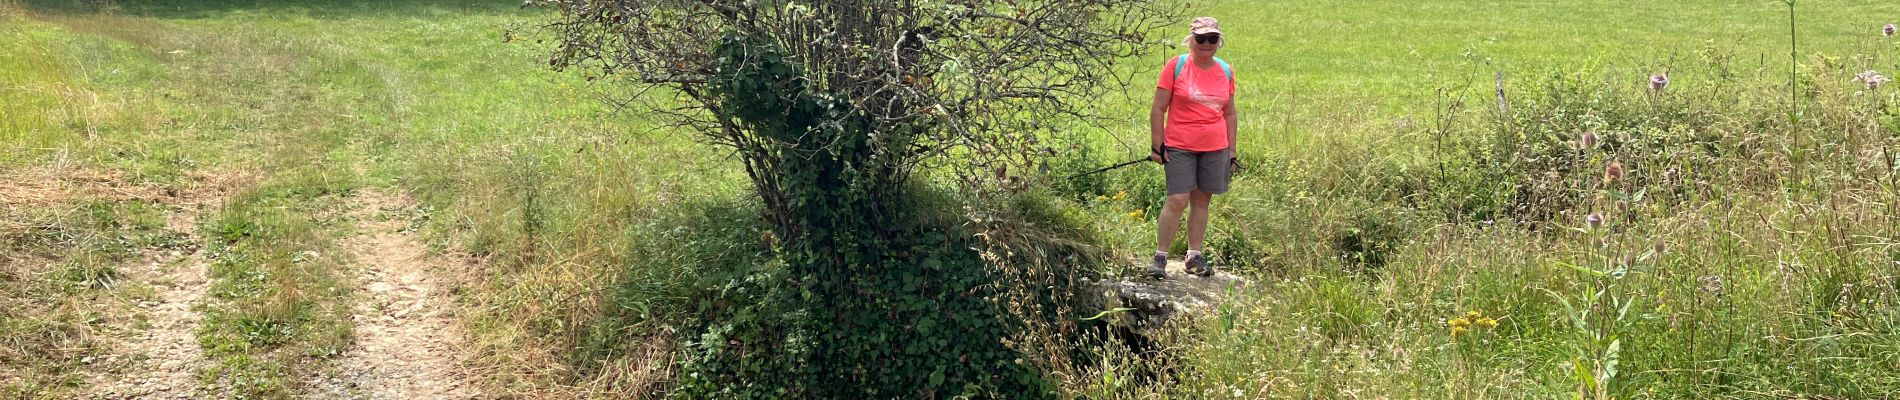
<point x="1198" y="96"/>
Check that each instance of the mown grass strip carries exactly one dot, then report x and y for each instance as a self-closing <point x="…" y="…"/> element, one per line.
<point x="279" y="298"/>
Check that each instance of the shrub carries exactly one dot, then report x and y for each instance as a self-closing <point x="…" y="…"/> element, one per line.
<point x="1371" y="237"/>
<point x="922" y="317"/>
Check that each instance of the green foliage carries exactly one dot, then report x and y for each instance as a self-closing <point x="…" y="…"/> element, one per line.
<point x="27" y="119"/>
<point x="1231" y="245"/>
<point x="1776" y="281"/>
<point x="1371" y="236"/>
<point x="1340" y="310"/>
<point x="872" y="294"/>
<point x="918" y="325"/>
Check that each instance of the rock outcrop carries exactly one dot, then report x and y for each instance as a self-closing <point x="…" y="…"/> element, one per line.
<point x="1150" y="303"/>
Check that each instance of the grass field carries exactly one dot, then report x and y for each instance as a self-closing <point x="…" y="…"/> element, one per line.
<point x="1746" y="253"/>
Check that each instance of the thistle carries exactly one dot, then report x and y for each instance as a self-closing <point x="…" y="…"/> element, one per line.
<point x="1872" y="79"/>
<point x="1659" y="81"/>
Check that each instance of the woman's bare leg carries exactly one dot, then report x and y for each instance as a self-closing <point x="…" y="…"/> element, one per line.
<point x="1197" y="218"/>
<point x="1171" y="221"/>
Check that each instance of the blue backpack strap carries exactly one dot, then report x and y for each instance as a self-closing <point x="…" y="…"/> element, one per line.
<point x="1181" y="62"/>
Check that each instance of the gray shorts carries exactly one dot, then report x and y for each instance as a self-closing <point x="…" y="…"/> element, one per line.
<point x="1189" y="170"/>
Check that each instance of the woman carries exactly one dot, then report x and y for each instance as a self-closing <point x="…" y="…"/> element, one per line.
<point x="1193" y="132"/>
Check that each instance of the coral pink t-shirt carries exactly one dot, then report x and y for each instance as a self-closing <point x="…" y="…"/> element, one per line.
<point x="1197" y="119"/>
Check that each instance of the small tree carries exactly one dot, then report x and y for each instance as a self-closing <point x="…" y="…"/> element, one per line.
<point x="831" y="105"/>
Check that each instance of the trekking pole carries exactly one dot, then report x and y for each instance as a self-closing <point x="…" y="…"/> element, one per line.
<point x="1111" y="167"/>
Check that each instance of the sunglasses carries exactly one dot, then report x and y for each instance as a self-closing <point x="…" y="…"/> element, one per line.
<point x="1207" y="39"/>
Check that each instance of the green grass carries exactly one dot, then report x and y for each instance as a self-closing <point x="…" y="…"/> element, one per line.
<point x="1402" y="50"/>
<point x="280" y="293"/>
<point x="31" y="78"/>
<point x="171" y="110"/>
<point x="64" y="235"/>
<point x="64" y="291"/>
<point x="591" y="222"/>
<point x="1317" y="71"/>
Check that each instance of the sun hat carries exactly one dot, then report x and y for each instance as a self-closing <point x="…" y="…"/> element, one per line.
<point x="1201" y="26"/>
<point x="1204" y="25"/>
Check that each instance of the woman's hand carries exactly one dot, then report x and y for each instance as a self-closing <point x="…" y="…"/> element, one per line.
<point x="1159" y="155"/>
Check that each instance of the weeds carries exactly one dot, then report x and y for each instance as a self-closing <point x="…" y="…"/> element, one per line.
<point x="62" y="289"/>
<point x="1745" y="248"/>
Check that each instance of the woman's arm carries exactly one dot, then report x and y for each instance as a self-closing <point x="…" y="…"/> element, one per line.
<point x="1232" y="114"/>
<point x="1158" y="123"/>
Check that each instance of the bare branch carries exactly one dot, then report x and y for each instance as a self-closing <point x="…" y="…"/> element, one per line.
<point x="986" y="76"/>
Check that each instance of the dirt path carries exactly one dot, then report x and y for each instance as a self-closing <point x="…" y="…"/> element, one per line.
<point x="163" y="360"/>
<point x="408" y="343"/>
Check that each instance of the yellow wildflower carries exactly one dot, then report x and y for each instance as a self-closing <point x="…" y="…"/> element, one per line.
<point x="1137" y="214"/>
<point x="1474" y="314"/>
<point x="1122" y="195"/>
<point x="1459" y="330"/>
<point x="1100" y="198"/>
<point x="1458" y="323"/>
<point x="1488" y="322"/>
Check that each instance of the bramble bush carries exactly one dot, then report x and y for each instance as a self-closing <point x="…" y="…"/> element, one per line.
<point x="876" y="292"/>
<point x="877" y="286"/>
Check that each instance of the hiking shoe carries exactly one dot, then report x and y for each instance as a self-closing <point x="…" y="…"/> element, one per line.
<point x="1197" y="265"/>
<point x="1160" y="268"/>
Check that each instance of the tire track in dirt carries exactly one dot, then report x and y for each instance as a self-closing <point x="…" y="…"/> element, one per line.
<point x="163" y="361"/>
<point x="409" y="344"/>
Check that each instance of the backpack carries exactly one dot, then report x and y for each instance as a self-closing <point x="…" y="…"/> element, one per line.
<point x="1181" y="62"/>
